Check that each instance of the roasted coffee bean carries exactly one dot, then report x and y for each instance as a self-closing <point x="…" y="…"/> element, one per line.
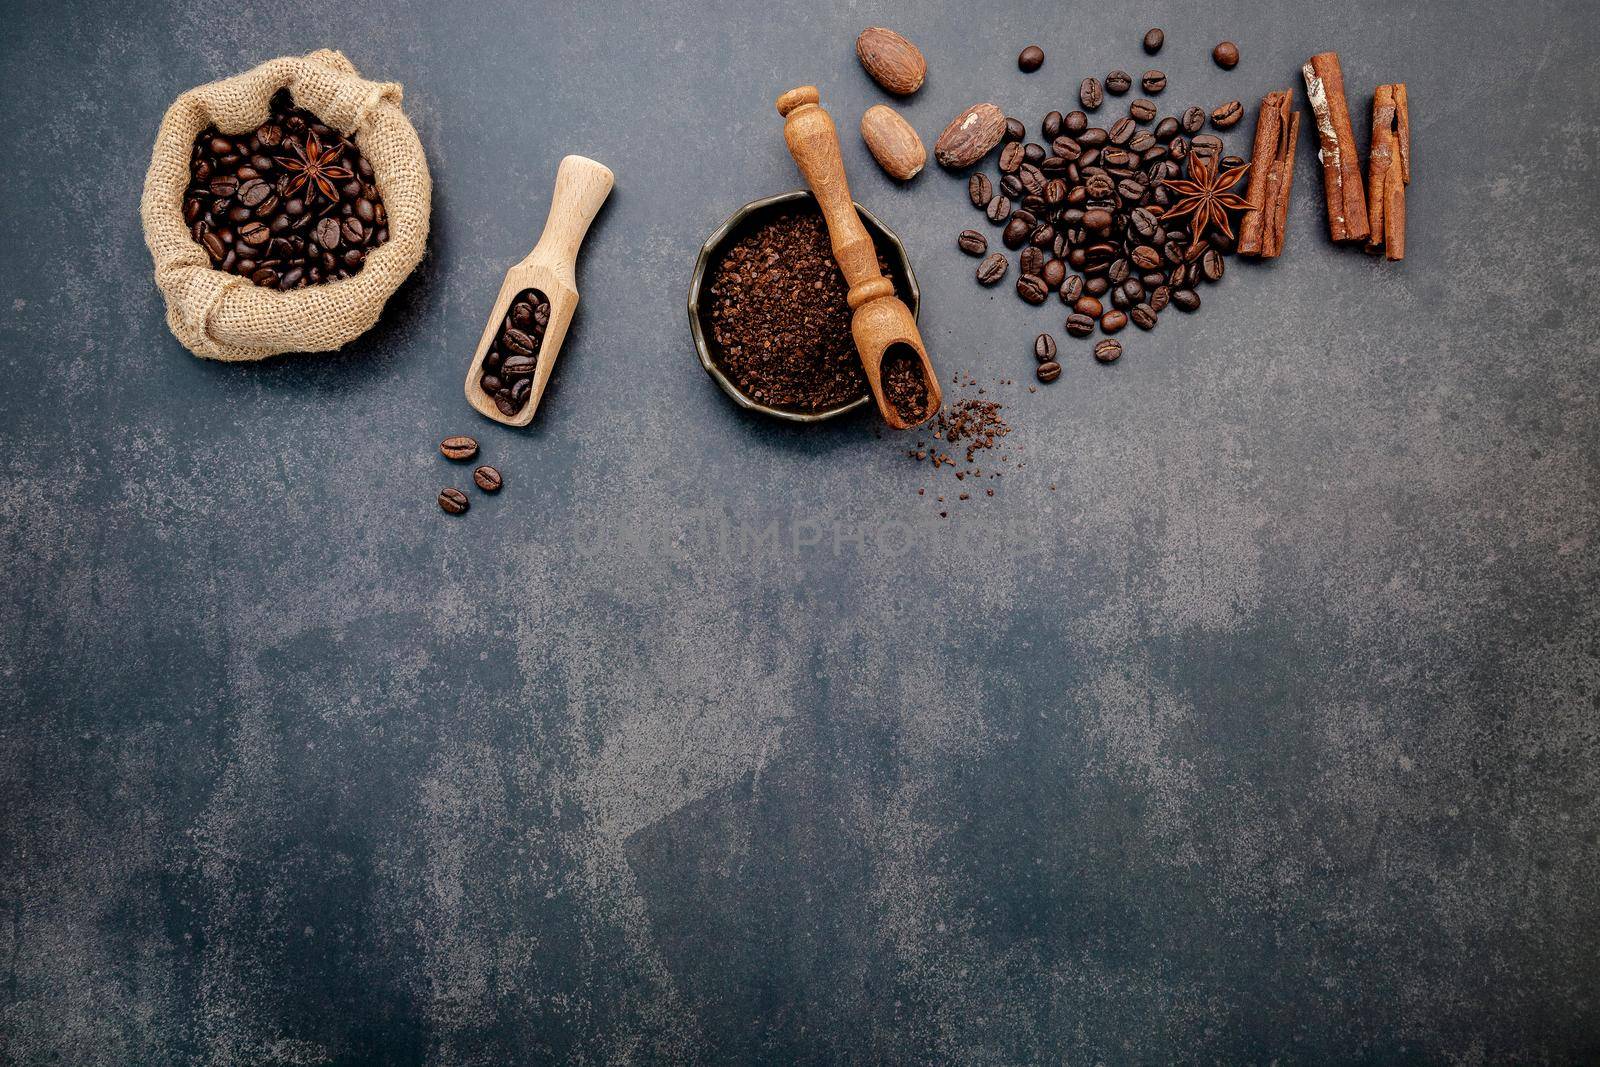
<point x="991" y="270"/>
<point x="1088" y="305"/>
<point x="1131" y="189"/>
<point x="1143" y="142"/>
<point x="1010" y="157"/>
<point x="518" y="366"/>
<point x="999" y="208"/>
<point x="1153" y="81"/>
<point x="1074" y="123"/>
<point x="1178" y="149"/>
<point x="1194" y="120"/>
<point x="1011" y="186"/>
<point x="1112" y="321"/>
<point x="1116" y="159"/>
<point x="1226" y="55"/>
<point x="521" y="389"/>
<point x="214" y="246"/>
<point x="1145" y="258"/>
<point x="265" y="277"/>
<point x="1228" y="115"/>
<point x="488" y="479"/>
<point x="1143" y="316"/>
<point x="1043" y="236"/>
<point x="1048" y="371"/>
<point x="1211" y="265"/>
<point x="1055" y="191"/>
<point x="1032" y="288"/>
<point x="1032" y="179"/>
<point x="1050" y="128"/>
<point x="1080" y="325"/>
<point x="1186" y="300"/>
<point x="1153" y="40"/>
<point x="1093" y="137"/>
<point x="1108" y="350"/>
<point x="252" y="192"/>
<point x="1159" y="297"/>
<point x="1054" y="273"/>
<point x="979" y="190"/>
<point x="454" y="501"/>
<point x="1030" y="59"/>
<point x="1026" y="216"/>
<point x="1015" y="130"/>
<point x="1167" y="129"/>
<point x="1121" y="131"/>
<point x="1118" y="82"/>
<point x="1119" y="299"/>
<point x="1044" y="348"/>
<point x="1015" y="235"/>
<point x="972" y="243"/>
<point x="514" y="356"/>
<point x="1142" y="110"/>
<point x="1118" y="271"/>
<point x="327" y="233"/>
<point x="460" y="447"/>
<point x="1207" y="143"/>
<point x="254" y="233"/>
<point x="1066" y="148"/>
<point x="1095" y="286"/>
<point x="1072" y="288"/>
<point x="1090" y="94"/>
<point x="1229" y="162"/>
<point x="1031" y="260"/>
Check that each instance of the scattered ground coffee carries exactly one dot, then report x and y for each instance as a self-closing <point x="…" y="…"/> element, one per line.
<point x="509" y="365"/>
<point x="289" y="204"/>
<point x="779" y="322"/>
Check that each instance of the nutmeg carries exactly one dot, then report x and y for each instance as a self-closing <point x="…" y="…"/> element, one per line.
<point x="893" y="143"/>
<point x="892" y="61"/>
<point x="971" y="136"/>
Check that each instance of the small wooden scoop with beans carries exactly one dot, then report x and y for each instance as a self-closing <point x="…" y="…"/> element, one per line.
<point x="884" y="330"/>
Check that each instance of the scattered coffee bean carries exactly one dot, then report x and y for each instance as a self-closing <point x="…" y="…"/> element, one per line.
<point x="1030" y="59"/>
<point x="1112" y="321"/>
<point x="1118" y="82"/>
<point x="991" y="270"/>
<point x="999" y="208"/>
<point x="1108" y="350"/>
<point x="1194" y="120"/>
<point x="1226" y="55"/>
<point x="1050" y="128"/>
<point x="1153" y="40"/>
<point x="1048" y="371"/>
<point x="459" y="448"/>
<point x="1015" y="131"/>
<point x="1153" y="81"/>
<point x="1090" y="95"/>
<point x="1044" y="348"/>
<point x="1011" y="157"/>
<point x="454" y="501"/>
<point x="269" y="204"/>
<point x="1228" y="115"/>
<point x="1211" y="265"/>
<point x="1080" y="325"/>
<point x="1031" y="260"/>
<point x="1032" y="288"/>
<point x="1143" y="316"/>
<point x="979" y="190"/>
<point x="1186" y="300"/>
<point x="488" y="479"/>
<point x="1054" y="273"/>
<point x="973" y="243"/>
<point x="1142" y="110"/>
<point x="1074" y="123"/>
<point x="1072" y="288"/>
<point x="1015" y="235"/>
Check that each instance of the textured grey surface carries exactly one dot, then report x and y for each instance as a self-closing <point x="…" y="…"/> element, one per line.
<point x="1270" y="734"/>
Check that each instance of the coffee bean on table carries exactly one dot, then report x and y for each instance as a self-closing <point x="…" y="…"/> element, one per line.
<point x="1194" y="120"/>
<point x="1090" y="95"/>
<point x="488" y="479"/>
<point x="1108" y="350"/>
<point x="1112" y="321"/>
<point x="999" y="208"/>
<point x="1121" y="131"/>
<point x="1142" y="110"/>
<point x="1228" y="115"/>
<point x="1118" y="82"/>
<point x="1074" y="123"/>
<point x="1011" y="157"/>
<point x="1226" y="55"/>
<point x="1080" y="325"/>
<point x="1211" y="265"/>
<point x="1044" y="348"/>
<point x="1186" y="300"/>
<point x="1153" y="81"/>
<point x="1032" y="288"/>
<point x="1054" y="273"/>
<point x="460" y="447"/>
<point x="1153" y="40"/>
<point x="979" y="190"/>
<point x="1143" y="316"/>
<point x="1015" y="235"/>
<point x="1030" y="59"/>
<point x="1167" y="129"/>
<point x="1048" y="371"/>
<point x="1050" y="128"/>
<point x="1015" y="130"/>
<point x="991" y="270"/>
<point x="972" y="243"/>
<point x="1072" y="288"/>
<point x="1088" y="305"/>
<point x="454" y="501"/>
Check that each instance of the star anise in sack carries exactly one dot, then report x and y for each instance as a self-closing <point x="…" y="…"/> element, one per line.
<point x="312" y="167"/>
<point x="1206" y="198"/>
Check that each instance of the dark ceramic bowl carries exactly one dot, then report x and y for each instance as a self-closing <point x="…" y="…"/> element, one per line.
<point x="894" y="253"/>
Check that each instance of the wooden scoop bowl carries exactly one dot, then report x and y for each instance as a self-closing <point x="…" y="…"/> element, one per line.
<point x="582" y="186"/>
<point x="880" y="323"/>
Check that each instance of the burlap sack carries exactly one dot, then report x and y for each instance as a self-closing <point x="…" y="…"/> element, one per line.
<point x="223" y="316"/>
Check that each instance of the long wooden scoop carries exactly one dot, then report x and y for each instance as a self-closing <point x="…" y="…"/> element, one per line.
<point x="880" y="322"/>
<point x="582" y="185"/>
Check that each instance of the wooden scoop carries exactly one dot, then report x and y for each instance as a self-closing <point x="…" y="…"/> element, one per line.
<point x="582" y="185"/>
<point x="881" y="323"/>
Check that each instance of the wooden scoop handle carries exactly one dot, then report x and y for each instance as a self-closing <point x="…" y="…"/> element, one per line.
<point x="880" y="320"/>
<point x="582" y="186"/>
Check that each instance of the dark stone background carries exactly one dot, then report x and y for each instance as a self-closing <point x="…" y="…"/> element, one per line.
<point x="1270" y="734"/>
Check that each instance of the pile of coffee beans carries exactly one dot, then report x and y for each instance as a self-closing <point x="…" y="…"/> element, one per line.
<point x="459" y="449"/>
<point x="778" y="323"/>
<point x="1082" y="208"/>
<point x="514" y="356"/>
<point x="289" y="204"/>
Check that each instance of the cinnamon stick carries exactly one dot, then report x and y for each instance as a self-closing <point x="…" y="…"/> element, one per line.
<point x="1389" y="171"/>
<point x="1271" y="177"/>
<point x="1341" y="166"/>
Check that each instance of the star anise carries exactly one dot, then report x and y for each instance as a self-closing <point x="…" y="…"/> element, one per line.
<point x="312" y="169"/>
<point x="1206" y="198"/>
